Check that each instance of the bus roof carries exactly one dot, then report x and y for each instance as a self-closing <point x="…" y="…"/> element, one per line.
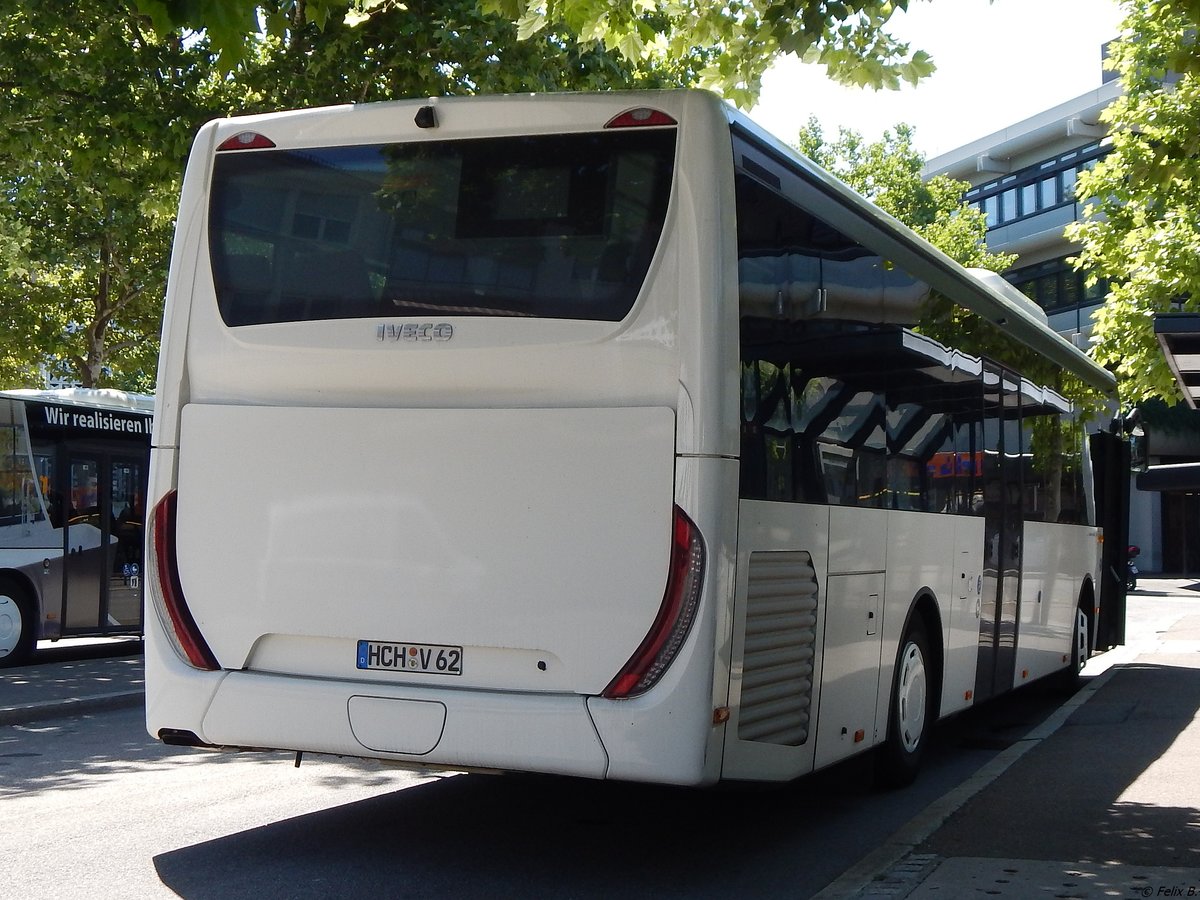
<point x="887" y="235"/>
<point x="93" y="398"/>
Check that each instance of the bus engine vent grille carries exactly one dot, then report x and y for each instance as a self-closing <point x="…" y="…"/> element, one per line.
<point x="781" y="635"/>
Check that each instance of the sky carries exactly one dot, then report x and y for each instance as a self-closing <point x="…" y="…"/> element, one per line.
<point x="998" y="63"/>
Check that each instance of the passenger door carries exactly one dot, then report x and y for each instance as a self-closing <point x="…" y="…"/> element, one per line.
<point x="102" y="543"/>
<point x="1003" y="533"/>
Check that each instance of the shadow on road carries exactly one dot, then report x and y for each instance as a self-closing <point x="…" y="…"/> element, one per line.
<point x="519" y="836"/>
<point x="522" y="836"/>
<point x="1092" y="791"/>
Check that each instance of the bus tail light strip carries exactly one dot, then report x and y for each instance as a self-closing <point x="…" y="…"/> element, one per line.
<point x="675" y="616"/>
<point x="642" y="117"/>
<point x="172" y="611"/>
<point x="247" y="140"/>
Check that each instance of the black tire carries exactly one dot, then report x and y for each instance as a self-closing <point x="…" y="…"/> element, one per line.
<point x="17" y="623"/>
<point x="910" y="711"/>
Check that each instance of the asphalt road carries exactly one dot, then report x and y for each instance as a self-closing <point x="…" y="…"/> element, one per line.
<point x="92" y="807"/>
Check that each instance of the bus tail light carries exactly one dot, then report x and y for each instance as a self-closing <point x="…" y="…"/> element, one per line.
<point x="642" y="117"/>
<point x="675" y="616"/>
<point x="172" y="611"/>
<point x="247" y="140"/>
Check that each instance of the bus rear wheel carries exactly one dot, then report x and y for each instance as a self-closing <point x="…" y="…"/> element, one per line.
<point x="16" y="623"/>
<point x="1070" y="679"/>
<point x="911" y="715"/>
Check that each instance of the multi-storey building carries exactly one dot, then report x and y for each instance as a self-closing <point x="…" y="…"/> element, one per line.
<point x="1023" y="178"/>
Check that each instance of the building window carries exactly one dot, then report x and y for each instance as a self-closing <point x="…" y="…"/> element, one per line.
<point x="1035" y="189"/>
<point x="1056" y="286"/>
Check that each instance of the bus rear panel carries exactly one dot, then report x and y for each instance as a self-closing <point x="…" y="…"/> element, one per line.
<point x="429" y="479"/>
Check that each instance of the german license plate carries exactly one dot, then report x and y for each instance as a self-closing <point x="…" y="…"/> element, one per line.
<point x="430" y="659"/>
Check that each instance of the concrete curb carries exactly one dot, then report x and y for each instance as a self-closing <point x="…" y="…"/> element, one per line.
<point x="24" y="713"/>
<point x="873" y="870"/>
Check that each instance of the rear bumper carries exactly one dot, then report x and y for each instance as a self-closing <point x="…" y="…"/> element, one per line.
<point x="661" y="736"/>
<point x="545" y="733"/>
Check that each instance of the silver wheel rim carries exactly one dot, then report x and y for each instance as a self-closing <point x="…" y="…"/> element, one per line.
<point x="1081" y="639"/>
<point x="10" y="625"/>
<point x="910" y="697"/>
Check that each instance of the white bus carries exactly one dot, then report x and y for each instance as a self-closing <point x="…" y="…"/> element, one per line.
<point x="589" y="434"/>
<point x="73" y="472"/>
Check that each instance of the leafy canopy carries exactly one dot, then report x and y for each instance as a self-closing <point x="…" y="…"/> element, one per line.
<point x="100" y="108"/>
<point x="730" y="45"/>
<point x="95" y="117"/>
<point x="888" y="173"/>
<point x="1141" y="229"/>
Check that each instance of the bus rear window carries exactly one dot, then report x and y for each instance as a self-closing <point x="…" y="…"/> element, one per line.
<point x="560" y="226"/>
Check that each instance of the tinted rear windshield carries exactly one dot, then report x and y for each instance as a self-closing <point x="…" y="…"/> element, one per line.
<point x="560" y="226"/>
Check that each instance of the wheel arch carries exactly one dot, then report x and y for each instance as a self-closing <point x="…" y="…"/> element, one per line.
<point x="898" y="759"/>
<point x="25" y="583"/>
<point x="19" y="644"/>
<point x="924" y="608"/>
<point x="1087" y="603"/>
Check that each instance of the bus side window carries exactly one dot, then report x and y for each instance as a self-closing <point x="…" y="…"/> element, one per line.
<point x="44" y="461"/>
<point x="1053" y="470"/>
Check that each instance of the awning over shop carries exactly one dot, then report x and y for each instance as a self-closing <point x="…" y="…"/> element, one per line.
<point x="1176" y="477"/>
<point x="1179" y="336"/>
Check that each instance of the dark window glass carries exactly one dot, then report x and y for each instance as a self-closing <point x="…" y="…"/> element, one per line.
<point x="1052" y="467"/>
<point x="1008" y="205"/>
<point x="1048" y="192"/>
<point x="1069" y="289"/>
<point x="19" y="501"/>
<point x="1055" y="285"/>
<point x="991" y="208"/>
<point x="1097" y="292"/>
<point x="848" y="414"/>
<point x="792" y="263"/>
<point x="1068" y="184"/>
<point x="1029" y="199"/>
<point x="1047" y="291"/>
<point x="560" y="226"/>
<point x="967" y="461"/>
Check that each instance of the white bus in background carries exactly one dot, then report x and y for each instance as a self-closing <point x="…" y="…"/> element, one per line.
<point x="589" y="435"/>
<point x="73" y="471"/>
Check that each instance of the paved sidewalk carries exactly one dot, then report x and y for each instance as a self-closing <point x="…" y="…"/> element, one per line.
<point x="1100" y="801"/>
<point x="47" y="690"/>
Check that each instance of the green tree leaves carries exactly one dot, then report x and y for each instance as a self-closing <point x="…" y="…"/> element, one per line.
<point x="95" y="117"/>
<point x="735" y="42"/>
<point x="1142" y="226"/>
<point x="99" y="109"/>
<point x="888" y="173"/>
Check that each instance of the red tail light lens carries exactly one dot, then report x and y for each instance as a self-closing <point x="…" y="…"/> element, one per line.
<point x="172" y="611"/>
<point x="642" y="117"/>
<point x="247" y="140"/>
<point x="675" y="616"/>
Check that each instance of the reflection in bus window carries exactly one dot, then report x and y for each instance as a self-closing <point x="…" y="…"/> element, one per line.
<point x="20" y="502"/>
<point x="852" y="415"/>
